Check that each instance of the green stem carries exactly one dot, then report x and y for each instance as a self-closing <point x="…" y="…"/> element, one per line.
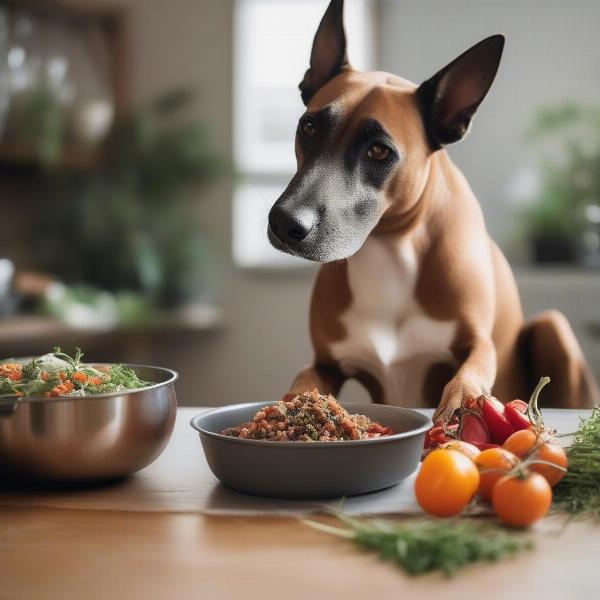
<point x="543" y="462"/>
<point x="533" y="412"/>
<point x="338" y="531"/>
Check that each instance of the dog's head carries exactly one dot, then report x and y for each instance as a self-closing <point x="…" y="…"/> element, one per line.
<point x="364" y="143"/>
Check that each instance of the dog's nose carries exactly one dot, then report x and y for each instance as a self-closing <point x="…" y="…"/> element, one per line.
<point x="290" y="227"/>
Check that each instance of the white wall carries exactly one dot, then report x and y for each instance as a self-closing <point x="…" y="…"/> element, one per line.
<point x="552" y="54"/>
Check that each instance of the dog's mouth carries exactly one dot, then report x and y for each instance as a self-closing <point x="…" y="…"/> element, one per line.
<point x="298" y="249"/>
<point x="307" y="250"/>
<point x="277" y="243"/>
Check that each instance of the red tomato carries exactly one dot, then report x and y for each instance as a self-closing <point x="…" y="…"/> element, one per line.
<point x="473" y="428"/>
<point x="493" y="414"/>
<point x="515" y="412"/>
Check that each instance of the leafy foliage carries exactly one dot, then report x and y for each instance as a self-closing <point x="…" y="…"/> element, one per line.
<point x="570" y="168"/>
<point x="578" y="492"/>
<point x="128" y="224"/>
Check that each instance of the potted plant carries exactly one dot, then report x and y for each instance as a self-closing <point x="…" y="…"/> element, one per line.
<point x="560" y="223"/>
<point x="128" y="224"/>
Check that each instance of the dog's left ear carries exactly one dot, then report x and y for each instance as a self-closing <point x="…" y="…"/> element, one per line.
<point x="450" y="98"/>
<point x="328" y="57"/>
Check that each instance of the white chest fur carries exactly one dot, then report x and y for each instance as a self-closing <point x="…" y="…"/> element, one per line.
<point x="388" y="334"/>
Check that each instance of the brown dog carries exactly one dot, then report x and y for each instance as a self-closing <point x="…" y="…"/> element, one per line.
<point x="414" y="299"/>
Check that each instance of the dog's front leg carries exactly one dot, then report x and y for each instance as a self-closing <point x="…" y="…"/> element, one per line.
<point x="327" y="379"/>
<point x="475" y="377"/>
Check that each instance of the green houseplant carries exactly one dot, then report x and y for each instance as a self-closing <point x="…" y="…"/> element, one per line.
<point x="570" y="181"/>
<point x="128" y="223"/>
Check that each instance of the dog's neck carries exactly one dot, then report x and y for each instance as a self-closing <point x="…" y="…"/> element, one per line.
<point x="431" y="202"/>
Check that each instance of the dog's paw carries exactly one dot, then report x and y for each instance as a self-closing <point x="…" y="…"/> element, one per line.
<point x="457" y="393"/>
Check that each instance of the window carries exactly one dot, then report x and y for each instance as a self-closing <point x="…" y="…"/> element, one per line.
<point x="272" y="41"/>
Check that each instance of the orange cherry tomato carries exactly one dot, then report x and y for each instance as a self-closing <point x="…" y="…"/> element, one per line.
<point x="521" y="500"/>
<point x="523" y="443"/>
<point x="446" y="483"/>
<point x="551" y="452"/>
<point x="499" y="461"/>
<point x="466" y="448"/>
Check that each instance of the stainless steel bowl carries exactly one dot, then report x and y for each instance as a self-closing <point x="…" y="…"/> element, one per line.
<point x="312" y="469"/>
<point x="70" y="439"/>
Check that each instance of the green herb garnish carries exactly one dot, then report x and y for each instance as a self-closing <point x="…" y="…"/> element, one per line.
<point x="578" y="492"/>
<point x="59" y="374"/>
<point x="424" y="546"/>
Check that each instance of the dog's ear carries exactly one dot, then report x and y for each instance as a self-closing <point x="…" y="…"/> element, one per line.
<point x="450" y="98"/>
<point x="328" y="56"/>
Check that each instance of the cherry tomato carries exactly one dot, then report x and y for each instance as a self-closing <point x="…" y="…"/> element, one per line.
<point x="493" y="415"/>
<point x="473" y="428"/>
<point x="523" y="443"/>
<point x="519" y="405"/>
<point x="439" y="434"/>
<point x="499" y="461"/>
<point x="466" y="448"/>
<point x="521" y="500"/>
<point x="516" y="414"/>
<point x="446" y="483"/>
<point x="485" y="445"/>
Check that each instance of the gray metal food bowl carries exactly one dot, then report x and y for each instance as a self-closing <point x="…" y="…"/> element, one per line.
<point x="312" y="469"/>
<point x="71" y="439"/>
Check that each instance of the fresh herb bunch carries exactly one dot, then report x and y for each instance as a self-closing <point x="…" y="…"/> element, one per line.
<point x="578" y="492"/>
<point x="59" y="374"/>
<point x="428" y="545"/>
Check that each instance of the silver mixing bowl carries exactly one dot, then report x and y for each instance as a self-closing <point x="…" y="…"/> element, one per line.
<point x="105" y="436"/>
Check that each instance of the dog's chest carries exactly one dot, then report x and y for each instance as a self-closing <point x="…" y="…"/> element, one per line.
<point x="387" y="332"/>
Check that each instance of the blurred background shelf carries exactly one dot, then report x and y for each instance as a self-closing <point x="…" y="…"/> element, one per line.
<point x="25" y="330"/>
<point x="22" y="155"/>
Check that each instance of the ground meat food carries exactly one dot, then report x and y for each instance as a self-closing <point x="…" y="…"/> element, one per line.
<point x="305" y="418"/>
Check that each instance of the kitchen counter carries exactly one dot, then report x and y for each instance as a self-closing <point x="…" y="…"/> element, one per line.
<point x="54" y="546"/>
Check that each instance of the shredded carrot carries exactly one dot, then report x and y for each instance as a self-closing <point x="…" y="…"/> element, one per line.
<point x="79" y="376"/>
<point x="11" y="370"/>
<point x="63" y="389"/>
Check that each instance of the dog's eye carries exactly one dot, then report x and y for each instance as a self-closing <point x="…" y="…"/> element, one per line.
<point x="378" y="151"/>
<point x="308" y="128"/>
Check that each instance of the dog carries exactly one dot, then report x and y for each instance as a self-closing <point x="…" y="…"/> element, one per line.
<point x="413" y="299"/>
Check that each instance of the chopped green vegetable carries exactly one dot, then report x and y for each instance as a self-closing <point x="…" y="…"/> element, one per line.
<point x="430" y="545"/>
<point x="58" y="374"/>
<point x="578" y="492"/>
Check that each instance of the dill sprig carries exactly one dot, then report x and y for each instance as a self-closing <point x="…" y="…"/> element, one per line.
<point x="422" y="546"/>
<point x="578" y="492"/>
<point x="117" y="378"/>
<point x="72" y="361"/>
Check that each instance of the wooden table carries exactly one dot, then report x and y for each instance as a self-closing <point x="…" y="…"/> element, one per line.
<point x="69" y="553"/>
